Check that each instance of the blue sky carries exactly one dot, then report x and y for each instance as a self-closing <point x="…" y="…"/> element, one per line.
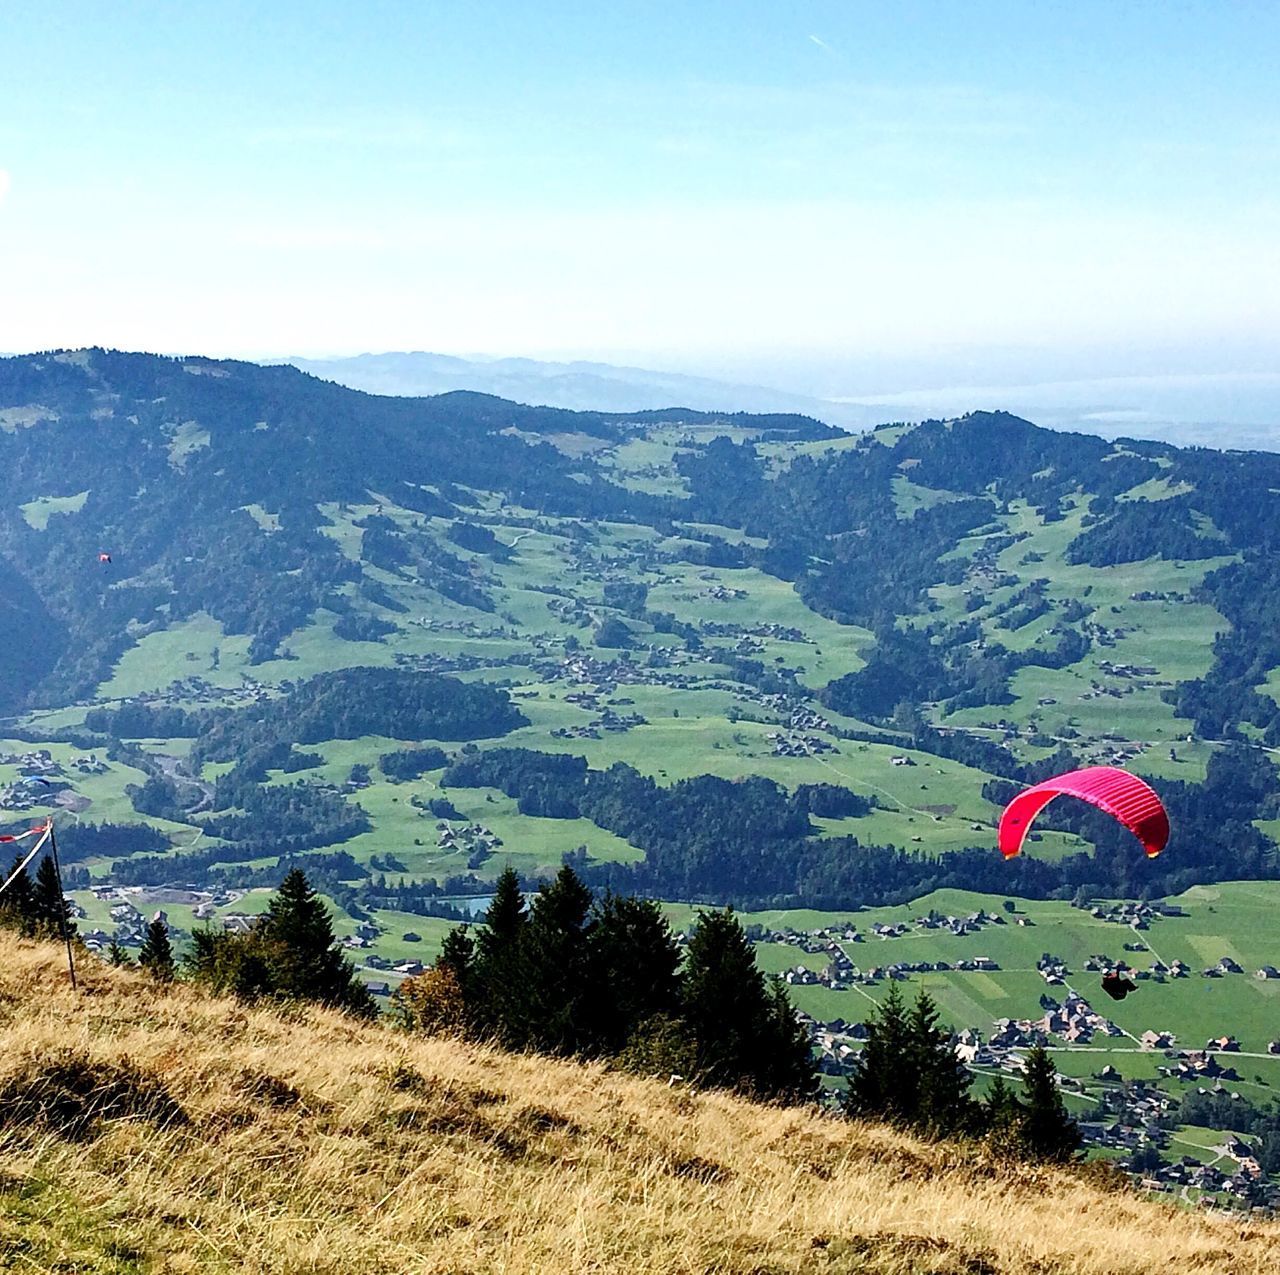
<point x="1027" y="189"/>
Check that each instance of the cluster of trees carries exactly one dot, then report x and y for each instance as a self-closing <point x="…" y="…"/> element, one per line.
<point x="348" y="703"/>
<point x="908" y="1075"/>
<point x="753" y="843"/>
<point x="946" y="664"/>
<point x="288" y="955"/>
<point x="1138" y="529"/>
<point x="35" y="908"/>
<point x="412" y="763"/>
<point x="578" y="976"/>
<point x="686" y="830"/>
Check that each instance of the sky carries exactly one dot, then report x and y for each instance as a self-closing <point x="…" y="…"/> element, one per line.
<point x="840" y="197"/>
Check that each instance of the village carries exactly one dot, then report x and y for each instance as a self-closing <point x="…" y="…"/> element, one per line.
<point x="1131" y="1117"/>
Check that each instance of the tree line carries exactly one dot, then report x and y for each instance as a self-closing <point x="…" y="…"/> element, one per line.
<point x="578" y="976"/>
<point x="908" y="1075"/>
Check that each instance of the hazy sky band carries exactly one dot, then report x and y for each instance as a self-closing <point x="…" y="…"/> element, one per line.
<point x="695" y="182"/>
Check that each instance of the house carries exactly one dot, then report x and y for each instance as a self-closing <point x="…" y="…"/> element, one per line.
<point x="1228" y="966"/>
<point x="379" y="989"/>
<point x="1267" y="971"/>
<point x="1156" y="1040"/>
<point x="1228" y="1043"/>
<point x="237" y="923"/>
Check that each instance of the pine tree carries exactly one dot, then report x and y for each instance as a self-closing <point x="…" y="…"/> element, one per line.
<point x="49" y="908"/>
<point x="498" y="970"/>
<point x="634" y="962"/>
<point x="457" y="953"/>
<point x="554" y="946"/>
<point x="744" y="1038"/>
<point x="788" y="1071"/>
<point x="1048" y="1132"/>
<point x="294" y="943"/>
<point x="943" y="1105"/>
<point x="117" y="956"/>
<point x="17" y="903"/>
<point x="882" y="1087"/>
<point x="156" y="956"/>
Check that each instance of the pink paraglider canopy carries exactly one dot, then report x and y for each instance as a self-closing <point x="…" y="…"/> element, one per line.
<point x="1121" y="795"/>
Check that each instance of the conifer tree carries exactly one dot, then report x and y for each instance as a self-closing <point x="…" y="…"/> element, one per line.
<point x="17" y="903"/>
<point x="943" y="1105"/>
<point x="457" y="953"/>
<point x="745" y="1031"/>
<point x="634" y="963"/>
<point x="117" y="956"/>
<point x="908" y="1072"/>
<point x="722" y="999"/>
<point x="498" y="967"/>
<point x="1002" y="1112"/>
<point x="49" y="908"/>
<point x="881" y="1087"/>
<point x="1048" y="1132"/>
<point x="554" y="945"/>
<point x="156" y="956"/>
<point x="294" y="942"/>
<point x="787" y="1069"/>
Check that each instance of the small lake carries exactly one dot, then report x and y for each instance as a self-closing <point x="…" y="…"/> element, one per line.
<point x="471" y="904"/>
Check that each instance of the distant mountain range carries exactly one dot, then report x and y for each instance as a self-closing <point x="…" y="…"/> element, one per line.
<point x="596" y="387"/>
<point x="1225" y="410"/>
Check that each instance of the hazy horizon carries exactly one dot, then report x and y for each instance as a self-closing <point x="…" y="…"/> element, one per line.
<point x="837" y="199"/>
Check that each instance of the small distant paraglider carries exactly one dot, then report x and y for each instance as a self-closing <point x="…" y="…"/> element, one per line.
<point x="1123" y="796"/>
<point x="1117" y="986"/>
<point x="104" y="559"/>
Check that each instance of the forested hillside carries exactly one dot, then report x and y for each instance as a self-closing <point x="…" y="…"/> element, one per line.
<point x="253" y="618"/>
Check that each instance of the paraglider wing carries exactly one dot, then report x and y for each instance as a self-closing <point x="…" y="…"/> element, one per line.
<point x="1117" y="987"/>
<point x="1121" y="795"/>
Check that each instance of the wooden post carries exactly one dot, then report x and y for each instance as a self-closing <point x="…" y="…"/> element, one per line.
<point x="62" y="906"/>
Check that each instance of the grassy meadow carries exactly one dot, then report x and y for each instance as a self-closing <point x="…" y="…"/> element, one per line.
<point x="239" y="1140"/>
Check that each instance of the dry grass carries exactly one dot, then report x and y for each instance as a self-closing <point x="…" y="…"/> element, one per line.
<point x="204" y="1136"/>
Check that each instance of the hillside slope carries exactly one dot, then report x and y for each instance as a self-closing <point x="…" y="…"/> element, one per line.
<point x="233" y="1139"/>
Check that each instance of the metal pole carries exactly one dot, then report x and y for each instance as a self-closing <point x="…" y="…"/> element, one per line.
<point x="62" y="906"/>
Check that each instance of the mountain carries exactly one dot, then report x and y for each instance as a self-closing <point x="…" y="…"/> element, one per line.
<point x="580" y="386"/>
<point x="1229" y="410"/>
<point x="695" y="650"/>
<point x="165" y="1130"/>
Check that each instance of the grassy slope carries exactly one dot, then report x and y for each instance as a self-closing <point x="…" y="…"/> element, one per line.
<point x="392" y="1154"/>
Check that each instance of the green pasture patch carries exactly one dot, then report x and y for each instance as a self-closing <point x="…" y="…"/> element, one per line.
<point x="105" y="792"/>
<point x="778" y="958"/>
<point x="1157" y="488"/>
<point x="186" y="439"/>
<point x="269" y="522"/>
<point x="38" y="512"/>
<point x="908" y="497"/>
<point x="780" y="455"/>
<point x="197" y="647"/>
